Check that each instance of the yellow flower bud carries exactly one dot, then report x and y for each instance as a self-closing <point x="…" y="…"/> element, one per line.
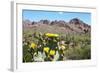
<point x="52" y="52"/>
<point x="33" y="45"/>
<point x="46" y="49"/>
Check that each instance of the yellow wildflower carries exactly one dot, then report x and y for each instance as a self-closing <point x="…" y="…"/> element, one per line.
<point x="63" y="47"/>
<point x="51" y="35"/>
<point x="52" y="52"/>
<point x="46" y="49"/>
<point x="33" y="45"/>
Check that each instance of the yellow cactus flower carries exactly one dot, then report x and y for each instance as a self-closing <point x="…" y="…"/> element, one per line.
<point x="63" y="47"/>
<point x="52" y="52"/>
<point x="46" y="49"/>
<point x="51" y="35"/>
<point x="33" y="45"/>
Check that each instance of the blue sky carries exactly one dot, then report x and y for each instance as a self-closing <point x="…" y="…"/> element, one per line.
<point x="34" y="15"/>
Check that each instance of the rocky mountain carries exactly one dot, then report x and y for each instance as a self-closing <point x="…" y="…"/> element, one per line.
<point x="79" y="25"/>
<point x="75" y="25"/>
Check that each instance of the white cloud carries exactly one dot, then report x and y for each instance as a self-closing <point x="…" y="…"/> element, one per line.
<point x="60" y="12"/>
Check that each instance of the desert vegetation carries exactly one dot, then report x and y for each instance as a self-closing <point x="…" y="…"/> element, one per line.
<point x="56" y="40"/>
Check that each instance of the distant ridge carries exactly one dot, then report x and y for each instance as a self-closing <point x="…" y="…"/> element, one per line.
<point x="75" y="25"/>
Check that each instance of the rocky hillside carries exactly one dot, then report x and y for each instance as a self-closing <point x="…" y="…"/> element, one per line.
<point x="75" y="25"/>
